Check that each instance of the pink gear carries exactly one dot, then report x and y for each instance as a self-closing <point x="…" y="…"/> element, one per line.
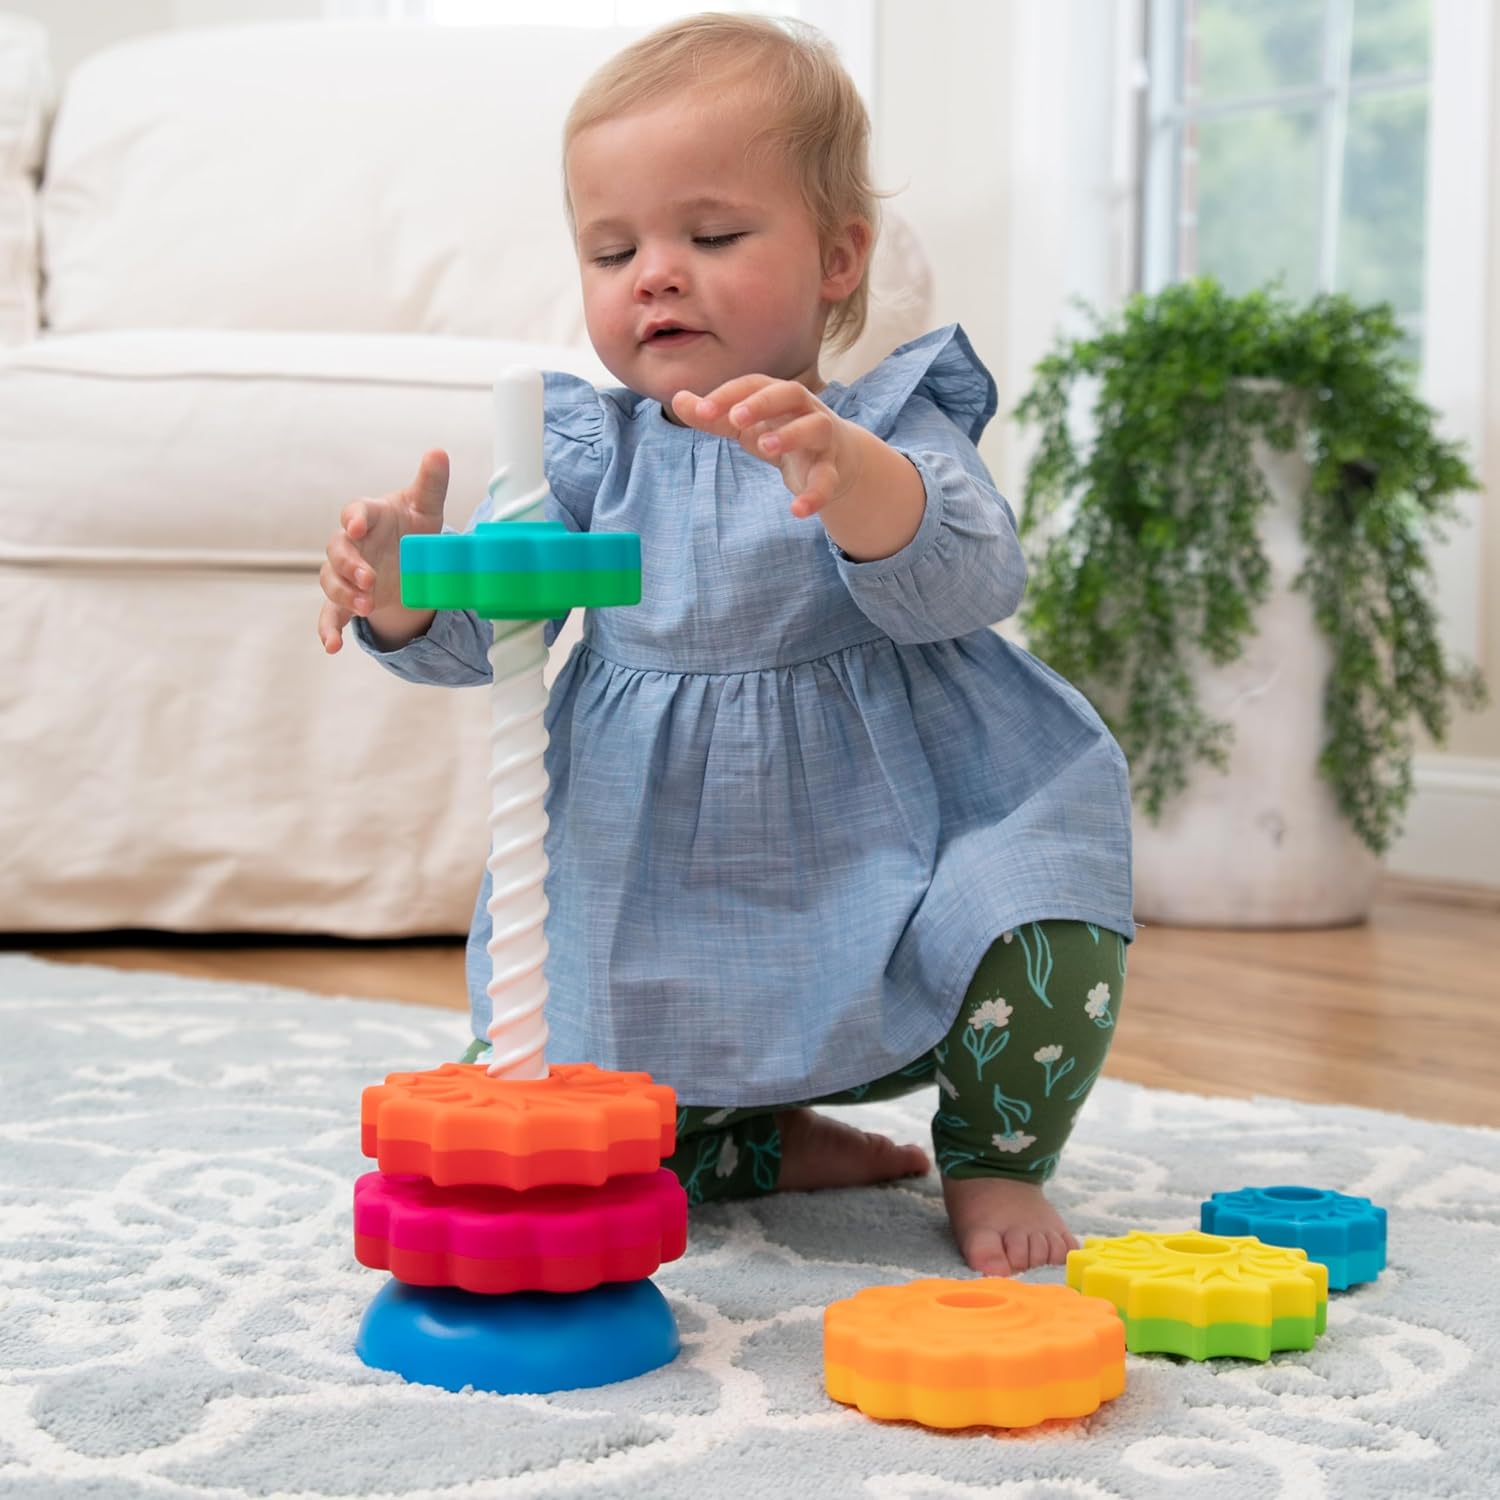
<point x="497" y="1240"/>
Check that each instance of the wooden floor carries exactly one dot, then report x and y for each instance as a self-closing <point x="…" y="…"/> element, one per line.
<point x="1400" y="1014"/>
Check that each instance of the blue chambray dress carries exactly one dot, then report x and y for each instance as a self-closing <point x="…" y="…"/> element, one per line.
<point x="793" y="797"/>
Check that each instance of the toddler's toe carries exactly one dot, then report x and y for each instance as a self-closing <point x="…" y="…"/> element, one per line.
<point x="913" y="1161"/>
<point x="1018" y="1249"/>
<point x="984" y="1250"/>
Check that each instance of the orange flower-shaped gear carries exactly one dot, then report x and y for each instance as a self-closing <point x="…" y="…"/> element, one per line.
<point x="455" y="1124"/>
<point x="991" y="1352"/>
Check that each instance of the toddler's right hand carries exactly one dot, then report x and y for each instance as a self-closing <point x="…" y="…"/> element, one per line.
<point x="362" y="575"/>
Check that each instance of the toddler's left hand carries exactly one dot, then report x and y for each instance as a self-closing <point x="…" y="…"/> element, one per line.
<point x="783" y="423"/>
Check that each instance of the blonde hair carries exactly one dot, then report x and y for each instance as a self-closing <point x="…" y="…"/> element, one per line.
<point x="818" y="122"/>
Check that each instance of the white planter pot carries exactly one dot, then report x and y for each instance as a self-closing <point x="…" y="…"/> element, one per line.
<point x="1264" y="844"/>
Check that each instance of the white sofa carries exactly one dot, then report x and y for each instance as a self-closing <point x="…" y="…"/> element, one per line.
<point x="247" y="274"/>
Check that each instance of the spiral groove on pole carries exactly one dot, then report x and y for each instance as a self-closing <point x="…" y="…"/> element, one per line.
<point x="517" y="861"/>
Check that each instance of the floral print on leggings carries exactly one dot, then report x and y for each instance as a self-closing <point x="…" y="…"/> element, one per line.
<point x="1012" y="1073"/>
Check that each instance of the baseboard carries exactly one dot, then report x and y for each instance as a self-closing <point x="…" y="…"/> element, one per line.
<point x="1452" y="829"/>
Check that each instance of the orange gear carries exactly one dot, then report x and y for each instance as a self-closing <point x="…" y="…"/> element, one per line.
<point x="989" y="1352"/>
<point x="455" y="1124"/>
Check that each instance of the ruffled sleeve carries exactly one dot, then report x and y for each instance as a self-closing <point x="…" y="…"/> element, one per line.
<point x="963" y="570"/>
<point x="575" y="445"/>
<point x="940" y="368"/>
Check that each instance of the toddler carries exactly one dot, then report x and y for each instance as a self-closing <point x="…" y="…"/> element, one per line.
<point x="817" y="833"/>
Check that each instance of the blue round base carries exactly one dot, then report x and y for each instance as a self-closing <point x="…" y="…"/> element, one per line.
<point x="520" y="1343"/>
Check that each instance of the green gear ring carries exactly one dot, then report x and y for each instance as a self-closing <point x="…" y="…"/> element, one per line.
<point x="521" y="570"/>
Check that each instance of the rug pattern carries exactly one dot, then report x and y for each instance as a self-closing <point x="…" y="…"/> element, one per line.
<point x="179" y="1299"/>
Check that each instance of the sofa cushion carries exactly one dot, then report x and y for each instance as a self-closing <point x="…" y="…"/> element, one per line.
<point x="181" y="447"/>
<point x="357" y="177"/>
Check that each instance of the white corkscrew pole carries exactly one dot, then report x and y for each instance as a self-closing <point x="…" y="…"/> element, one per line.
<point x="518" y="778"/>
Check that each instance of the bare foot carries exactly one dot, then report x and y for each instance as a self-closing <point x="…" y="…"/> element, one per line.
<point x="817" y="1152"/>
<point x="1003" y="1226"/>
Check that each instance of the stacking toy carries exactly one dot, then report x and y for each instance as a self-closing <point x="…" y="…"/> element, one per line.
<point x="990" y="1352"/>
<point x="1345" y="1234"/>
<point x="519" y="1207"/>
<point x="1205" y="1295"/>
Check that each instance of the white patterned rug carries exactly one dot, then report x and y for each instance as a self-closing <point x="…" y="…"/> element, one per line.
<point x="179" y="1298"/>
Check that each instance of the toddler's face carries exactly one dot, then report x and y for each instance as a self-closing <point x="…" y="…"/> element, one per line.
<point x="697" y="265"/>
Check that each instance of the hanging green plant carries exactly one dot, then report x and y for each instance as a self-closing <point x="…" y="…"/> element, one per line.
<point x="1144" y="542"/>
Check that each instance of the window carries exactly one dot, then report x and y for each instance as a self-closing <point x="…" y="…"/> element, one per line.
<point x="1289" y="138"/>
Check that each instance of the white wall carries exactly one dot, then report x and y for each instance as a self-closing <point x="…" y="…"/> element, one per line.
<point x="1007" y="131"/>
<point x="78" y="27"/>
<point x="932" y="148"/>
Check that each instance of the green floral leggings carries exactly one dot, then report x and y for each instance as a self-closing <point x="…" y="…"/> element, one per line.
<point x="1012" y="1073"/>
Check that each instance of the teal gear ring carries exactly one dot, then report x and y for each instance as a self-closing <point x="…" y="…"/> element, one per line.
<point x="1347" y="1234"/>
<point x="521" y="570"/>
